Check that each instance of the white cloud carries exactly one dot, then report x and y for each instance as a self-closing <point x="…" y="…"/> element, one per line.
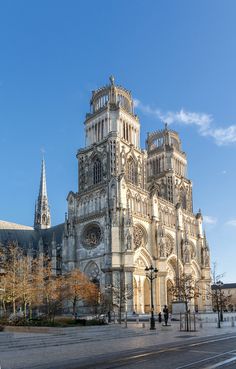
<point x="202" y="121"/>
<point x="231" y="222"/>
<point x="224" y="135"/>
<point x="208" y="219"/>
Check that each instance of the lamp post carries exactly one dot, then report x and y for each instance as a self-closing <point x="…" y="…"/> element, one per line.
<point x="218" y="296"/>
<point x="151" y="274"/>
<point x="219" y="286"/>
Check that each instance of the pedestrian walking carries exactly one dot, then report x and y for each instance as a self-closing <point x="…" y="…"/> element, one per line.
<point x="166" y="314"/>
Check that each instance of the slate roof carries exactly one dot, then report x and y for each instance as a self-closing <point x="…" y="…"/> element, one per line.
<point x="27" y="236"/>
<point x="225" y="286"/>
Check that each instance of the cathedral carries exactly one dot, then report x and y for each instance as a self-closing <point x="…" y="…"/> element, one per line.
<point x="133" y="209"/>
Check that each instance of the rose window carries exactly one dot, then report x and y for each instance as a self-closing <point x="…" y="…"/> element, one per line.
<point x="91" y="235"/>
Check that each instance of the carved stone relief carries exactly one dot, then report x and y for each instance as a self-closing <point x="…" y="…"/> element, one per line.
<point x="139" y="236"/>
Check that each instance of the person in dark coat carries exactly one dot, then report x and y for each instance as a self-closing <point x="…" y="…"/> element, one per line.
<point x="166" y="314"/>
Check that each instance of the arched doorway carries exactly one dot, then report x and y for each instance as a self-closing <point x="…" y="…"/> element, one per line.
<point x="141" y="285"/>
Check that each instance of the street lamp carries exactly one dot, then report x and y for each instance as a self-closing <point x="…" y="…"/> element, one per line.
<point x="218" y="300"/>
<point x="151" y="274"/>
<point x="219" y="286"/>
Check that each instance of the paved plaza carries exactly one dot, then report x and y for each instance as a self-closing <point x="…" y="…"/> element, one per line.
<point x="71" y="347"/>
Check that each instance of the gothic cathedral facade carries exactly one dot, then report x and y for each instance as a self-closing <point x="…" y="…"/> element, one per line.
<point x="133" y="207"/>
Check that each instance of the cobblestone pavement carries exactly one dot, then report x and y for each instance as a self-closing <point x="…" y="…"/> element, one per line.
<point x="62" y="347"/>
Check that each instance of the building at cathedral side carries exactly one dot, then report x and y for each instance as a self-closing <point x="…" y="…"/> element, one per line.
<point x="133" y="208"/>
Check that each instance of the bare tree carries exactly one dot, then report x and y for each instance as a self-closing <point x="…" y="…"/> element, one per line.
<point x="120" y="293"/>
<point x="10" y="278"/>
<point x="185" y="289"/>
<point x="219" y="299"/>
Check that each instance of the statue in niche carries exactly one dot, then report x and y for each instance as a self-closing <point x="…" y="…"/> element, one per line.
<point x="114" y="217"/>
<point x="162" y="250"/>
<point x="129" y="241"/>
<point x="206" y="257"/>
<point x="129" y="218"/>
<point x="186" y="255"/>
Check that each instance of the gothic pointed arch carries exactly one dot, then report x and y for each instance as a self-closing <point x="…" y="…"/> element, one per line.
<point x="183" y="197"/>
<point x="196" y="270"/>
<point x="97" y="170"/>
<point x="142" y="258"/>
<point x="92" y="270"/>
<point x="173" y="267"/>
<point x="131" y="170"/>
<point x="169" y="289"/>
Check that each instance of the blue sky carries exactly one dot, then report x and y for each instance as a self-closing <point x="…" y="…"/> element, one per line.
<point x="177" y="57"/>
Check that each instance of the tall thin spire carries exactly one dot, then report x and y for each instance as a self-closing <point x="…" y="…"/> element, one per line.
<point x="42" y="217"/>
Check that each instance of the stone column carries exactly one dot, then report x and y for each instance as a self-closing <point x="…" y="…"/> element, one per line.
<point x="142" y="295"/>
<point x="162" y="292"/>
<point x="129" y="291"/>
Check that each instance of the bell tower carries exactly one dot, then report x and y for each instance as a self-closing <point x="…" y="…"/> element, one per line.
<point x="111" y="129"/>
<point x="167" y="168"/>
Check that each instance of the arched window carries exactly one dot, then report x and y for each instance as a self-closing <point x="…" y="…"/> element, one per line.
<point x="183" y="199"/>
<point x="131" y="171"/>
<point x="97" y="171"/>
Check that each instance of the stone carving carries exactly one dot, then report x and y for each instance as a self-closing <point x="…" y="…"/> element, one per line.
<point x="140" y="263"/>
<point x="162" y="249"/>
<point x="129" y="241"/>
<point x="169" y="247"/>
<point x="205" y="257"/>
<point x="91" y="235"/>
<point x="166" y="246"/>
<point x="139" y="236"/>
<point x="186" y="255"/>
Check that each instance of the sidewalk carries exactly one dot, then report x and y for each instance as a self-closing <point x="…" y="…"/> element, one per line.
<point x="27" y="350"/>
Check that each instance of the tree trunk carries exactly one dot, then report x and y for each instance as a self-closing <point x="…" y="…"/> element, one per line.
<point x="74" y="307"/>
<point x="14" y="306"/>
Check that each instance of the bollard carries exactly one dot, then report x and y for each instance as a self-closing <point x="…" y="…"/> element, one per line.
<point x="137" y="320"/>
<point x="143" y="325"/>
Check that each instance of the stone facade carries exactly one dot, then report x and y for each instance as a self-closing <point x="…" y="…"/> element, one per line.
<point x="133" y="207"/>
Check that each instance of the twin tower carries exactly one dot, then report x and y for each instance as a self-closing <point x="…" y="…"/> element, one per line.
<point x="133" y="208"/>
